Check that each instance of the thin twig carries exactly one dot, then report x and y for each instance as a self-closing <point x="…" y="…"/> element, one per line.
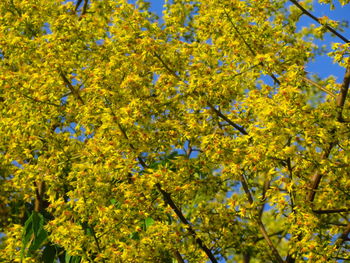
<point x="319" y="86"/>
<point x="96" y="241"/>
<point x="259" y="222"/>
<point x="249" y="46"/>
<point x="169" y="201"/>
<point x="343" y="92"/>
<point x="221" y="115"/>
<point x="167" y="198"/>
<point x="39" y="101"/>
<point x="318" y="21"/>
<point x="70" y="86"/>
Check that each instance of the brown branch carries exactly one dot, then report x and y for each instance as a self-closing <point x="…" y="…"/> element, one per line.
<point x="318" y="21"/>
<point x="70" y="86"/>
<point x="265" y="188"/>
<point x="96" y="241"/>
<point x="340" y="101"/>
<point x="39" y="193"/>
<point x="39" y="101"/>
<point x="316" y="179"/>
<point x="342" y="238"/>
<point x="85" y="6"/>
<point x="172" y="72"/>
<point x="246" y="258"/>
<point x="249" y="46"/>
<point x="270" y="235"/>
<point x="77" y="5"/>
<point x="221" y="115"/>
<point x="319" y="86"/>
<point x="343" y="92"/>
<point x="331" y="211"/>
<point x="178" y="257"/>
<point x="262" y="229"/>
<point x="345" y="235"/>
<point x="168" y="200"/>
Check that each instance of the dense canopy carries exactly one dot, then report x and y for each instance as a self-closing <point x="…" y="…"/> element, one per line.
<point x="197" y="136"/>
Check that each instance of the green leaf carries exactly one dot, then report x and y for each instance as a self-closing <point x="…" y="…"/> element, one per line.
<point x="37" y="220"/>
<point x="39" y="240"/>
<point x="148" y="222"/>
<point x="49" y="254"/>
<point x="116" y="203"/>
<point x="72" y="259"/>
<point x="27" y="233"/>
<point x="34" y="235"/>
<point x="135" y="236"/>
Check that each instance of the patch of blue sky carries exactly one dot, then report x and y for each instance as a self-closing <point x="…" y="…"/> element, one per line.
<point x="323" y="65"/>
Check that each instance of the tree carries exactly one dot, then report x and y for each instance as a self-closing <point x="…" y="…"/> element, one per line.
<point x="198" y="137"/>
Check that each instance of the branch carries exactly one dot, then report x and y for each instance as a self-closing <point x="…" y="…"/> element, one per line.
<point x="96" y="241"/>
<point x="169" y="201"/>
<point x="172" y="72"/>
<point x="318" y="21"/>
<point x="70" y="86"/>
<point x="179" y="257"/>
<point x="39" y="101"/>
<point x="39" y="193"/>
<point x="249" y="46"/>
<point x="167" y="198"/>
<point x="265" y="188"/>
<point x="343" y="237"/>
<point x="319" y="86"/>
<point x="260" y="224"/>
<point x="316" y="179"/>
<point x="343" y="92"/>
<point x="271" y="235"/>
<point x="331" y="211"/>
<point x="219" y="113"/>
<point x="77" y="5"/>
<point x="84" y="7"/>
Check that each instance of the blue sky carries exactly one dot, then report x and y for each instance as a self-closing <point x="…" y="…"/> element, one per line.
<point x="323" y="65"/>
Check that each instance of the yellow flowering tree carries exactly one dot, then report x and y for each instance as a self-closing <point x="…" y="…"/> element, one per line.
<point x="197" y="137"/>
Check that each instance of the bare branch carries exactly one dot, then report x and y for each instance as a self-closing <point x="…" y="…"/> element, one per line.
<point x="85" y="6"/>
<point x="316" y="179"/>
<point x="318" y="21"/>
<point x="169" y="201"/>
<point x="178" y="257"/>
<point x="319" y="86"/>
<point x="96" y="241"/>
<point x="331" y="211"/>
<point x="248" y="45"/>
<point x="70" y="86"/>
<point x="343" y="92"/>
<point x="77" y="5"/>
<point x="167" y="198"/>
<point x="219" y="113"/>
<point x="260" y="224"/>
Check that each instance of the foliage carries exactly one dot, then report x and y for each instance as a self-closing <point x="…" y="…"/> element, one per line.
<point x="192" y="138"/>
